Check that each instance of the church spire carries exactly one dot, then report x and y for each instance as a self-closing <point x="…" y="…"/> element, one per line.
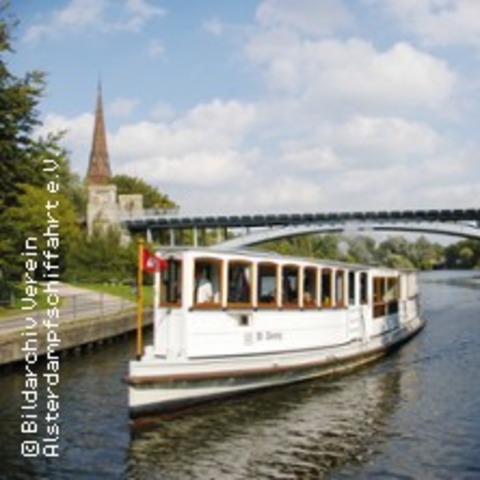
<point x="99" y="172"/>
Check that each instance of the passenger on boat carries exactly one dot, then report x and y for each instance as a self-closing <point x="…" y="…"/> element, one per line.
<point x="203" y="288"/>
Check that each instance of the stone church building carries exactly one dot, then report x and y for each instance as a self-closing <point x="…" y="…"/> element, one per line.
<point x="105" y="208"/>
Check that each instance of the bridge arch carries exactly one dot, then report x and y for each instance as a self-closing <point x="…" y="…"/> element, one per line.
<point x="460" y="230"/>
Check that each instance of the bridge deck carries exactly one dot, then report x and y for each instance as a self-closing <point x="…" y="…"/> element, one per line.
<point x="151" y="221"/>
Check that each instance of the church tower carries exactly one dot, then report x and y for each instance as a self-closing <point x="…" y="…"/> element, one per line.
<point x="99" y="172"/>
<point x="105" y="208"/>
<point x="102" y="207"/>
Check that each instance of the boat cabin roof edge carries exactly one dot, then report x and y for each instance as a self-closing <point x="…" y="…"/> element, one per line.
<point x="264" y="255"/>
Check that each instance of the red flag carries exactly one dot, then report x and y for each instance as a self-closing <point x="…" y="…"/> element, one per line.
<point x="151" y="263"/>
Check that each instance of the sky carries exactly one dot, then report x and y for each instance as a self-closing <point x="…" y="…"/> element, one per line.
<point x="243" y="106"/>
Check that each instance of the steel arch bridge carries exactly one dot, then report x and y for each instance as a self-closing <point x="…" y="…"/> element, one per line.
<point x="254" y="229"/>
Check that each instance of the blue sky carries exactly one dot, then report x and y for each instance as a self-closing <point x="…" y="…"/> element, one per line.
<point x="268" y="105"/>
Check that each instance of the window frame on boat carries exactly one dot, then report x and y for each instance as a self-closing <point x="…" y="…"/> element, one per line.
<point x="168" y="285"/>
<point x="364" y="291"/>
<point x="248" y="278"/>
<point x="290" y="294"/>
<point x="217" y="290"/>
<point x="386" y="295"/>
<point x="274" y="303"/>
<point x="340" y="288"/>
<point x="326" y="288"/>
<point x="314" y="291"/>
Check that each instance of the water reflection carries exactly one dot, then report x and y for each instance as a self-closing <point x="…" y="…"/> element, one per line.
<point x="302" y="431"/>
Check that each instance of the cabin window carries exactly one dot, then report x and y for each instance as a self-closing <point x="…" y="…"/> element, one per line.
<point x="207" y="291"/>
<point x="392" y="295"/>
<point x="267" y="285"/>
<point x="378" y="289"/>
<point x="392" y="289"/>
<point x="326" y="288"/>
<point x="363" y="288"/>
<point x="379" y="305"/>
<point x="386" y="292"/>
<point x="171" y="284"/>
<point x="239" y="284"/>
<point x="340" y="288"/>
<point x="290" y="283"/>
<point x="310" y="287"/>
<point x="352" y="288"/>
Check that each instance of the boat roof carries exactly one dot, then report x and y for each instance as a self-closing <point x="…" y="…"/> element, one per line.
<point x="270" y="255"/>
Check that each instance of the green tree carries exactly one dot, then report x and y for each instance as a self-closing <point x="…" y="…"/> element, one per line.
<point x="394" y="260"/>
<point x="21" y="155"/>
<point x="312" y="246"/>
<point x="152" y="197"/>
<point x="31" y="219"/>
<point x="102" y="257"/>
<point x="361" y="249"/>
<point x="425" y="255"/>
<point x="463" y="254"/>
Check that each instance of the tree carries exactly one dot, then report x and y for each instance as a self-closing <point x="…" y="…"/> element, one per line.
<point x="21" y="155"/>
<point x="463" y="254"/>
<point x="426" y="255"/>
<point x="31" y="218"/>
<point x="152" y="197"/>
<point x="312" y="246"/>
<point x="361" y="249"/>
<point x="101" y="257"/>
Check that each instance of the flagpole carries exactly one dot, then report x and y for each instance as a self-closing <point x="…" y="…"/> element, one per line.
<point x="140" y="300"/>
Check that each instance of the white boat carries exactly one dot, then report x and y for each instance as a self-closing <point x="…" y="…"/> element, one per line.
<point x="227" y="322"/>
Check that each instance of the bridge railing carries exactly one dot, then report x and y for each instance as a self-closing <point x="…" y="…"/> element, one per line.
<point x="149" y="213"/>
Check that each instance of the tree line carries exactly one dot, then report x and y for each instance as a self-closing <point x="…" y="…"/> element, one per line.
<point x="394" y="251"/>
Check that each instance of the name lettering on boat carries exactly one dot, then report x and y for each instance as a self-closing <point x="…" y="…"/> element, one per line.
<point x="273" y="336"/>
<point x="269" y="336"/>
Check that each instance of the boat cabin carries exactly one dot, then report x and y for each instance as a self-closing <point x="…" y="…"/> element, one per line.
<point x="211" y="302"/>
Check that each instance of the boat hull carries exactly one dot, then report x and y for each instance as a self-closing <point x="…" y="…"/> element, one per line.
<point x="158" y="386"/>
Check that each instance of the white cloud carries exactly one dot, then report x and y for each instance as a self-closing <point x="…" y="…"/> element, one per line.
<point x="196" y="169"/>
<point x="79" y="14"/>
<point x="202" y="148"/>
<point x="352" y="74"/>
<point x="221" y="117"/>
<point x="137" y="13"/>
<point x="286" y="193"/>
<point x="208" y="127"/>
<point x="94" y="15"/>
<point x="308" y="16"/>
<point x="77" y="139"/>
<point x="438" y="22"/>
<point x="386" y="137"/>
<point x="122" y="106"/>
<point x="320" y="158"/>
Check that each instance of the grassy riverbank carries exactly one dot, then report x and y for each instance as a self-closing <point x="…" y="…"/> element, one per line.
<point x="14" y="307"/>
<point x="126" y="292"/>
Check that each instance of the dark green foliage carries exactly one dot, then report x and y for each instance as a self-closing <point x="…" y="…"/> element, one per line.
<point x="395" y="251"/>
<point x="464" y="255"/>
<point x="102" y="258"/>
<point x="152" y="198"/>
<point x="21" y="156"/>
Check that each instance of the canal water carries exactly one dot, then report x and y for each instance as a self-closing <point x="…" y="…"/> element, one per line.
<point x="412" y="415"/>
